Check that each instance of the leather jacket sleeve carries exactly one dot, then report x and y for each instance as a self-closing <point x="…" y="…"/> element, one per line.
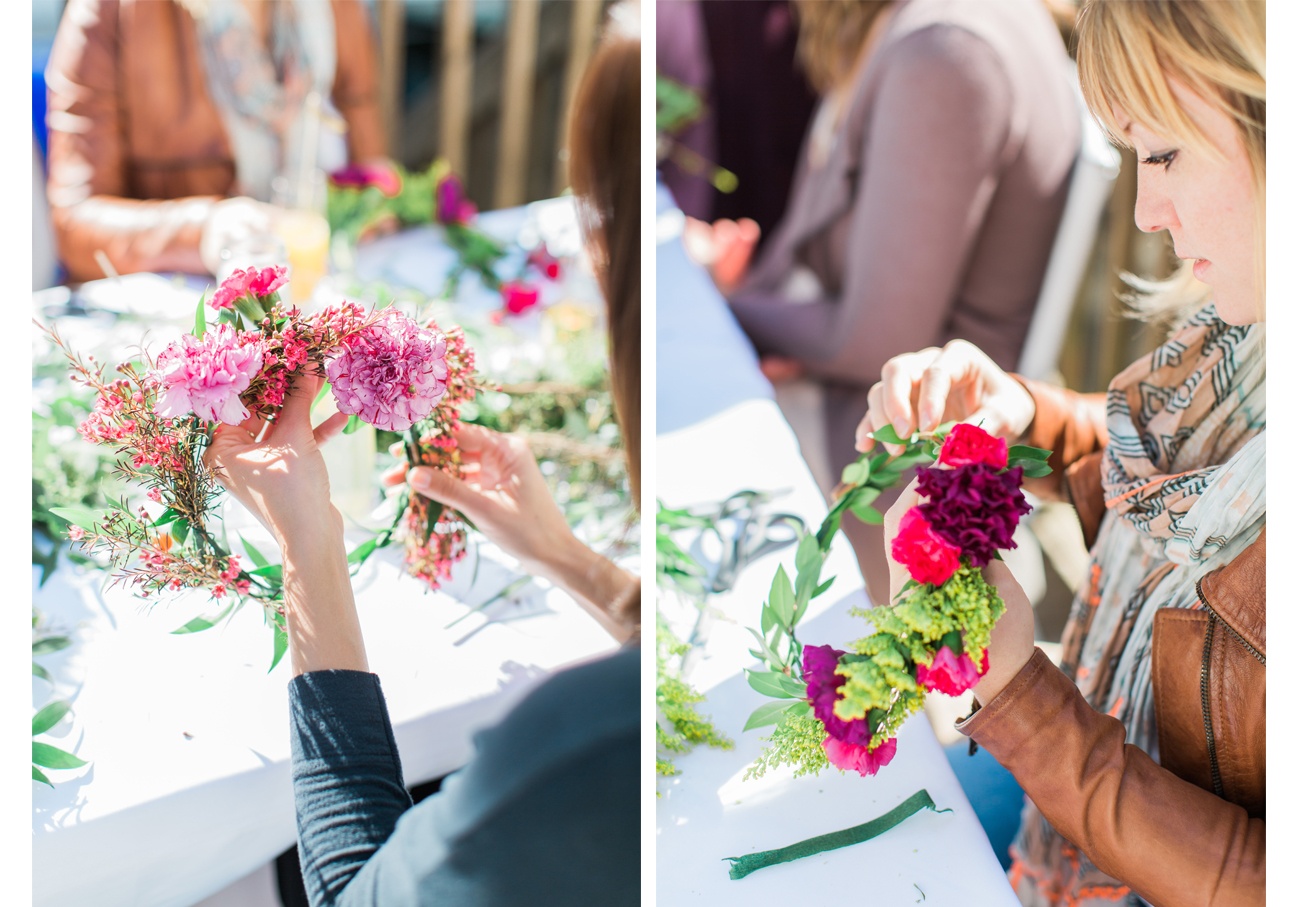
<point x="1169" y="840"/>
<point x="355" y="85"/>
<point x="1074" y="427"/>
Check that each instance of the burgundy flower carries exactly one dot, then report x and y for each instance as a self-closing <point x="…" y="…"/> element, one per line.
<point x="452" y="204"/>
<point x="927" y="556"/>
<point x="975" y="507"/>
<point x="966" y="444"/>
<point x="819" y="670"/>
<point x="952" y="674"/>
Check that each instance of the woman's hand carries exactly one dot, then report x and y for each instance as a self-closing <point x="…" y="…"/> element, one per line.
<point x="1012" y="642"/>
<point x="958" y="382"/>
<point x="504" y="495"/>
<point x="724" y="248"/>
<point x="282" y="479"/>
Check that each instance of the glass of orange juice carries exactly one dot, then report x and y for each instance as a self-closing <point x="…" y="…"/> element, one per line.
<point x="304" y="231"/>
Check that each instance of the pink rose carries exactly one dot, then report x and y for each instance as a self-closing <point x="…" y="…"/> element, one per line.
<point x="967" y="444"/>
<point x="850" y="757"/>
<point x="927" y="556"/>
<point x="952" y="674"/>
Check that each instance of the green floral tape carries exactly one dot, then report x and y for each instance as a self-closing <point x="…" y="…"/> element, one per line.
<point x="744" y="866"/>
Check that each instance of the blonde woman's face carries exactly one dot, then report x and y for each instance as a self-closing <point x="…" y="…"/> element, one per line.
<point x="1207" y="202"/>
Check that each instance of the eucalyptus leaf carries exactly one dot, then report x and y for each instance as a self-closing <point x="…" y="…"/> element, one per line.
<point x="766" y="714"/>
<point x="49" y="716"/>
<point x="52" y="757"/>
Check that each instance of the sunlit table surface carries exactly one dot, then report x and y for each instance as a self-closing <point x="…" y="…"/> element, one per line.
<point x="719" y="432"/>
<point x="188" y="787"/>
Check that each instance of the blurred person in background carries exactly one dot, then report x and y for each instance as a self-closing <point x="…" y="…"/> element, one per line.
<point x="547" y="812"/>
<point x="169" y="121"/>
<point x="1143" y="753"/>
<point x="930" y="186"/>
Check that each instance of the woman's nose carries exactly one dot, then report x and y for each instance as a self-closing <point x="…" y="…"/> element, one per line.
<point x="1153" y="210"/>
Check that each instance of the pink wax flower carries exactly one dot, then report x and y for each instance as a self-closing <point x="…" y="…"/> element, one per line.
<point x="206" y="376"/>
<point x="952" y="674"/>
<point x="391" y="374"/>
<point x="76" y="533"/>
<point x="969" y="444"/>
<point x="519" y="296"/>
<point x="359" y="176"/>
<point x="452" y="204"/>
<point x="857" y="758"/>
<point x="976" y="507"/>
<point x="928" y="557"/>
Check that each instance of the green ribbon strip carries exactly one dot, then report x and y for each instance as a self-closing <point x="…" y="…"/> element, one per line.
<point x="744" y="866"/>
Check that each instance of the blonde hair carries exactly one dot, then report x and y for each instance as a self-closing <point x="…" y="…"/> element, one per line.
<point x="830" y="34"/>
<point x="1127" y="53"/>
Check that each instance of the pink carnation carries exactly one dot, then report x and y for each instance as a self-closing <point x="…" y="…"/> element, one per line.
<point x="254" y="283"/>
<point x="952" y="674"/>
<point x="359" y="176"/>
<point x="206" y="376"/>
<point x="852" y="757"/>
<point x="928" y="556"/>
<point x="519" y="296"/>
<point x="391" y="374"/>
<point x="969" y="444"/>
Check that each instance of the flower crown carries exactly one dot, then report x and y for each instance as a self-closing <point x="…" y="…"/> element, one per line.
<point x="844" y="707"/>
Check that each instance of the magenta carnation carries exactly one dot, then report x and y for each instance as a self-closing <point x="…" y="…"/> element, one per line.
<point x="206" y="376"/>
<point x="360" y="176"/>
<point x="927" y="556"/>
<point x="975" y="507"/>
<point x="952" y="674"/>
<point x="853" y="757"/>
<point x="519" y="296"/>
<point x="819" y="670"/>
<point x="253" y="283"/>
<point x="967" y="444"/>
<point x="452" y="204"/>
<point x="391" y="374"/>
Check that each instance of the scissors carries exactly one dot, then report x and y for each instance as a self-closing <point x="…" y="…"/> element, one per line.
<point x="758" y="532"/>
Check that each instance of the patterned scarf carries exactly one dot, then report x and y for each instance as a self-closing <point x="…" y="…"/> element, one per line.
<point x="261" y="93"/>
<point x="1184" y="482"/>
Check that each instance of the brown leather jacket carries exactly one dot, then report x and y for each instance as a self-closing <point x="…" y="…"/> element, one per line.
<point x="1188" y="831"/>
<point x="137" y="151"/>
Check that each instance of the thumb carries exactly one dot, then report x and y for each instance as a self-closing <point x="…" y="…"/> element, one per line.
<point x="441" y="486"/>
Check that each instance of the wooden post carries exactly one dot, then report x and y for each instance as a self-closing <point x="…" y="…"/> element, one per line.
<point x="515" y="111"/>
<point x="456" y="85"/>
<point x="585" y="16"/>
<point x="391" y="78"/>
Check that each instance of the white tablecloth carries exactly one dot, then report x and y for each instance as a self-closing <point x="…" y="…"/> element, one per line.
<point x="720" y="432"/>
<point x="188" y="785"/>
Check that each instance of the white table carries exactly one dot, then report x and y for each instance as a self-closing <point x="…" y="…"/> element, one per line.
<point x="719" y="432"/>
<point x="188" y="786"/>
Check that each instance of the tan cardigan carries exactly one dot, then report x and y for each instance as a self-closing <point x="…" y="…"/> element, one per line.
<point x="137" y="151"/>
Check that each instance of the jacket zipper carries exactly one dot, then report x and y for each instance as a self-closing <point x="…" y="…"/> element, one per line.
<point x="1215" y="619"/>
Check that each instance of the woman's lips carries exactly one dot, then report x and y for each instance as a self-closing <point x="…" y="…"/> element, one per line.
<point x="1200" y="267"/>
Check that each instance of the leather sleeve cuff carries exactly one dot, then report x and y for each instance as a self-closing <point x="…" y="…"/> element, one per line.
<point x="1014" y="714"/>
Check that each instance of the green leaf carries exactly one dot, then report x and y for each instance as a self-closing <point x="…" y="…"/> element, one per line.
<point x="772" y="684"/>
<point x="79" y="516"/>
<point x="180" y="531"/>
<point x="868" y="514"/>
<point x="766" y="714"/>
<point x="272" y="572"/>
<point x="352" y="426"/>
<point x="887" y="435"/>
<point x="253" y="554"/>
<point x="362" y="551"/>
<point x="782" y="599"/>
<point x="48" y="644"/>
<point x="280" y="645"/>
<point x="38" y="671"/>
<point x="906" y="460"/>
<point x="765" y="653"/>
<point x="1034" y="469"/>
<point x="38" y="775"/>
<point x="198" y="624"/>
<point x="823" y="587"/>
<point x="49" y="716"/>
<point x="52" y="757"/>
<point x="200" y="317"/>
<point x="1022" y="452"/>
<point x="856" y="473"/>
<point x="807" y="553"/>
<point x="169" y="515"/>
<point x="767" y="619"/>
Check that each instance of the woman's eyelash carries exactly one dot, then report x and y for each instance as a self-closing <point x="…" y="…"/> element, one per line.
<point x="1160" y="160"/>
